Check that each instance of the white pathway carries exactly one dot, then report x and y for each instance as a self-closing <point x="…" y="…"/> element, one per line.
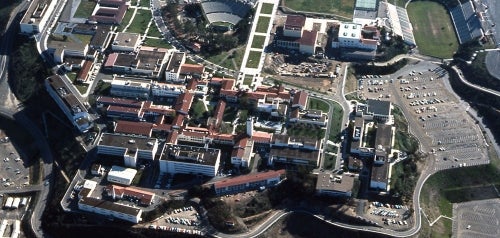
<point x="256" y="71"/>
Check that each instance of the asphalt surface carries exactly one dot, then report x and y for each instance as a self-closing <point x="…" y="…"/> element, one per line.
<point x="492" y="63"/>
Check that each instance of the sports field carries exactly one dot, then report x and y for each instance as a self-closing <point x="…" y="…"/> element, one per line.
<point x="433" y="29"/>
<point x="343" y="8"/>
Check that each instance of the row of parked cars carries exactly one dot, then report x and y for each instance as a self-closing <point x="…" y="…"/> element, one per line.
<point x="379" y="204"/>
<point x="176" y="229"/>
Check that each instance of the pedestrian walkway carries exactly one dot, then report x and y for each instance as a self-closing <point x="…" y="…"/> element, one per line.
<point x="255" y="72"/>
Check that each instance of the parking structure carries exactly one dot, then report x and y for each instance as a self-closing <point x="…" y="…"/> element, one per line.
<point x="476" y="219"/>
<point x="452" y="136"/>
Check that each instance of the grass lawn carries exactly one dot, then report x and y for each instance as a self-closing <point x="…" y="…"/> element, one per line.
<point x="247" y="80"/>
<point x="85" y="9"/>
<point x="253" y="59"/>
<point x="126" y="19"/>
<point x="336" y="122"/>
<point x="316" y="104"/>
<point x="198" y="109"/>
<point x="329" y="161"/>
<point x="258" y="41"/>
<point x="308" y="131"/>
<point x="262" y="24"/>
<point x="140" y="22"/>
<point x="217" y="59"/>
<point x="267" y="8"/>
<point x="144" y="3"/>
<point x="153" y="31"/>
<point x="83" y="38"/>
<point x="238" y="57"/>
<point x="160" y="43"/>
<point x="455" y="186"/>
<point x="343" y="8"/>
<point x="433" y="29"/>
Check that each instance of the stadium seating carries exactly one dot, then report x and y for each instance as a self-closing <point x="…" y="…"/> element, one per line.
<point x="231" y="11"/>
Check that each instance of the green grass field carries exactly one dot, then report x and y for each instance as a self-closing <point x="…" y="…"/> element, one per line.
<point x="153" y="31"/>
<point x="267" y="8"/>
<point x="258" y="41"/>
<point x="85" y="8"/>
<point x="336" y="123"/>
<point x="433" y="29"/>
<point x="262" y="24"/>
<point x="126" y="19"/>
<point x="253" y="59"/>
<point x="316" y="104"/>
<point x="160" y="43"/>
<point x="140" y="22"/>
<point x="343" y="8"/>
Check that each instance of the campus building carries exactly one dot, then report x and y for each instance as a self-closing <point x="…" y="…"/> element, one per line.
<point x="294" y="37"/>
<point x="356" y="41"/>
<point x="132" y="148"/>
<point x="147" y="62"/>
<point x="249" y="182"/>
<point x="109" y="11"/>
<point x="295" y="150"/>
<point x="130" y="87"/>
<point x="36" y="17"/>
<point x="375" y="110"/>
<point x="183" y="159"/>
<point x="121" y="175"/>
<point x="74" y="110"/>
<point x="110" y="209"/>
<point x="126" y="42"/>
<point x="334" y="185"/>
<point x="172" y="72"/>
<point x="143" y="198"/>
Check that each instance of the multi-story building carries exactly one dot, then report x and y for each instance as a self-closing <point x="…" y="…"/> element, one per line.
<point x="300" y="100"/>
<point x="148" y="62"/>
<point x="130" y="87"/>
<point x="126" y="42"/>
<point x="110" y="209"/>
<point x="109" y="11"/>
<point x="249" y="182"/>
<point x="183" y="159"/>
<point x="295" y="37"/>
<point x="172" y="72"/>
<point x="167" y="90"/>
<point x="144" y="198"/>
<point x="354" y="35"/>
<point x="121" y="175"/>
<point x="311" y="117"/>
<point x="74" y="110"/>
<point x="377" y="110"/>
<point x="131" y="148"/>
<point x="293" y="150"/>
<point x="334" y="185"/>
<point x="241" y="153"/>
<point x="61" y="49"/>
<point x="36" y="17"/>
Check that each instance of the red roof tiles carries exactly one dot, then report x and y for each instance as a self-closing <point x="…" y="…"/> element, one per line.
<point x="136" y="128"/>
<point x="244" y="179"/>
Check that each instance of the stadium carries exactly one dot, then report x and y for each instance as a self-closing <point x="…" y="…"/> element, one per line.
<point x="224" y="14"/>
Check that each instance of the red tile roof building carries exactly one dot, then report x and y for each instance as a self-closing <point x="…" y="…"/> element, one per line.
<point x="134" y="128"/>
<point x="300" y="100"/>
<point x="249" y="182"/>
<point x="117" y="192"/>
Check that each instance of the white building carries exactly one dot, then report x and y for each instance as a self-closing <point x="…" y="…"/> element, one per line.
<point x="131" y="148"/>
<point x="132" y="88"/>
<point x="37" y="15"/>
<point x="110" y="209"/>
<point x="172" y="72"/>
<point x="69" y="104"/>
<point x="338" y="185"/>
<point x="167" y="90"/>
<point x="354" y="35"/>
<point x="121" y="175"/>
<point x="182" y="159"/>
<point x="126" y="42"/>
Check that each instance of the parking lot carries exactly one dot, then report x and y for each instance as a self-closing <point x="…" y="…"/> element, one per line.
<point x="389" y="215"/>
<point x="477" y="219"/>
<point x="439" y="119"/>
<point x="13" y="173"/>
<point x="183" y="220"/>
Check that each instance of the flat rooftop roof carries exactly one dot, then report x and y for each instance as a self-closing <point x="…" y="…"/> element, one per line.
<point x="126" y="39"/>
<point x="383" y="136"/>
<point x="175" y="62"/>
<point x="191" y="154"/>
<point x="127" y="141"/>
<point x="380" y="173"/>
<point x="328" y="181"/>
<point x="94" y="202"/>
<point x="295" y="153"/>
<point x="36" y="10"/>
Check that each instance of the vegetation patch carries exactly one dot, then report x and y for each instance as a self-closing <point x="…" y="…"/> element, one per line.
<point x="306" y="130"/>
<point x="433" y="30"/>
<point x="140" y="22"/>
<point x="366" y="69"/>
<point x="267" y="8"/>
<point x="344" y="8"/>
<point x="253" y="59"/>
<point x="85" y="8"/>
<point x="258" y="41"/>
<point x="126" y="19"/>
<point x="336" y="123"/>
<point x="159" y="43"/>
<point x="316" y="104"/>
<point x="262" y="24"/>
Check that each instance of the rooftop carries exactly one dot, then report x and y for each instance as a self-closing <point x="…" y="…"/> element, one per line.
<point x="295" y="21"/>
<point x="134" y="127"/>
<point x="244" y="179"/>
<point x="309" y="37"/>
<point x="300" y="98"/>
<point x="144" y="197"/>
<point x="379" y="107"/>
<point x="295" y="153"/>
<point x="122" y="172"/>
<point x="191" y="154"/>
<point x="35" y="11"/>
<point x="337" y="183"/>
<point x="94" y="202"/>
<point x="125" y="141"/>
<point x="383" y="136"/>
<point x="126" y="39"/>
<point x="175" y="62"/>
<point x="380" y="173"/>
<point x="119" y="101"/>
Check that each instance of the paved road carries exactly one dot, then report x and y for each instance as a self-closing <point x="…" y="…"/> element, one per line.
<point x="13" y="110"/>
